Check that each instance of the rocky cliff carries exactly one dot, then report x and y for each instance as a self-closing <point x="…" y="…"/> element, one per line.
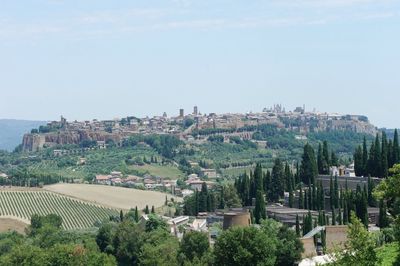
<point x="35" y="142"/>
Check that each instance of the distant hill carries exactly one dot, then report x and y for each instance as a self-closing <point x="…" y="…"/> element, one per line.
<point x="12" y="131"/>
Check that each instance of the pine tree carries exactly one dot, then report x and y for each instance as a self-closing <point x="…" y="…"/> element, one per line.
<point x="259" y="210"/>
<point x="297" y="226"/>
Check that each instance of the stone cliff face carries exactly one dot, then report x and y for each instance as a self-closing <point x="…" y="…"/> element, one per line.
<point x="35" y="142"/>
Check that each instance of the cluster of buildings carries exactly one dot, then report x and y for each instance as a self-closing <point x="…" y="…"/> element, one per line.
<point x="184" y="125"/>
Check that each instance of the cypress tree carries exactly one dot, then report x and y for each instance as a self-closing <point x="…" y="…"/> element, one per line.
<point x="371" y="185"/>
<point x="383" y="221"/>
<point x="222" y="199"/>
<point x="146" y="210"/>
<point x="390" y="154"/>
<point x="305" y="200"/>
<point x="396" y="148"/>
<point x="345" y="213"/>
<point x="371" y="160"/>
<point x="364" y="158"/>
<point x="358" y="162"/>
<point x="336" y="192"/>
<point x="297" y="226"/>
<point x="326" y="159"/>
<point x="301" y="200"/>
<point x="331" y="194"/>
<point x="340" y="220"/>
<point x="378" y="157"/>
<point x="291" y="199"/>
<point x="121" y="216"/>
<point x="308" y="169"/>
<point x="320" y="160"/>
<point x="258" y="178"/>
<point x="277" y="181"/>
<point x="333" y="217"/>
<point x="310" y="198"/>
<point x="314" y="197"/>
<point x="384" y="156"/>
<point x="136" y="214"/>
<point x="334" y="159"/>
<point x="152" y="209"/>
<point x="259" y="210"/>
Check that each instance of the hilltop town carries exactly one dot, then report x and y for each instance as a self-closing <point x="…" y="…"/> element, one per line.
<point x="193" y="127"/>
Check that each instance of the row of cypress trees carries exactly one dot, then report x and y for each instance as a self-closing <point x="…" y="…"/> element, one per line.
<point x="381" y="156"/>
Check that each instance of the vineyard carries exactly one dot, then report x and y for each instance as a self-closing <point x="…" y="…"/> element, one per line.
<point x="75" y="214"/>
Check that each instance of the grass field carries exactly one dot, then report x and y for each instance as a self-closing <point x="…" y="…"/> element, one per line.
<point x="12" y="224"/>
<point x="76" y="214"/>
<point x="113" y="197"/>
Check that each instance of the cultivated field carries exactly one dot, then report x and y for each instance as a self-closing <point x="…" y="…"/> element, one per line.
<point x="12" y="224"/>
<point x="76" y="214"/>
<point x="114" y="197"/>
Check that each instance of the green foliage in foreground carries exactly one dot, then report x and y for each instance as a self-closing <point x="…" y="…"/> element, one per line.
<point x="388" y="254"/>
<point x="131" y="243"/>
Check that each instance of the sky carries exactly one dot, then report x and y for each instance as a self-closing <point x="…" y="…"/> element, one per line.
<point x="87" y="59"/>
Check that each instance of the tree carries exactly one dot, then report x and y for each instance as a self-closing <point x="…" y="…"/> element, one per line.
<point x="364" y="158"/>
<point x="396" y="148"/>
<point x="259" y="210"/>
<point x="153" y="210"/>
<point x="245" y="246"/>
<point x="289" y="248"/>
<point x="194" y="245"/>
<point x="146" y="210"/>
<point x="360" y="246"/>
<point x="230" y="197"/>
<point x="383" y="221"/>
<point x="136" y="215"/>
<point x="301" y="200"/>
<point x="127" y="243"/>
<point x="277" y="181"/>
<point x="308" y="169"/>
<point x="358" y="162"/>
<point x="155" y="223"/>
<point x="105" y="236"/>
<point x="320" y="160"/>
<point x="384" y="156"/>
<point x="159" y="248"/>
<point x="297" y="226"/>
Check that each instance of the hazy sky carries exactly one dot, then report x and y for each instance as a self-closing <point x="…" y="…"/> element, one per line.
<point x="104" y="59"/>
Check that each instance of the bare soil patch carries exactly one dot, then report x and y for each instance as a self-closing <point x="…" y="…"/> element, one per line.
<point x="12" y="224"/>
